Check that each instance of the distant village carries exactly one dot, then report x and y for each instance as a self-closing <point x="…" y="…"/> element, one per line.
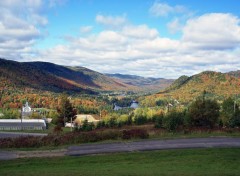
<point x="25" y="123"/>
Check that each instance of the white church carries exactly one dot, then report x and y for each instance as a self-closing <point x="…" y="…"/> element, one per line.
<point x="26" y="110"/>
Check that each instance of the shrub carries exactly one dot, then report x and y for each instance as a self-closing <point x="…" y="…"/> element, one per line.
<point x="230" y="114"/>
<point x="140" y="116"/>
<point x="173" y="120"/>
<point x="86" y="126"/>
<point x="111" y="122"/>
<point x="140" y="120"/>
<point x="204" y="113"/>
<point x="100" y="124"/>
<point x="134" y="133"/>
<point x="159" y="121"/>
<point x="57" y="129"/>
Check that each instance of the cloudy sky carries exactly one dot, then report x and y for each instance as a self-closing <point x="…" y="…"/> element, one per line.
<point x="151" y="38"/>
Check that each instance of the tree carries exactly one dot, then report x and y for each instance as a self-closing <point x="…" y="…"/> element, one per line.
<point x="140" y="116"/>
<point x="204" y="113"/>
<point x="230" y="114"/>
<point x="173" y="120"/>
<point x="66" y="110"/>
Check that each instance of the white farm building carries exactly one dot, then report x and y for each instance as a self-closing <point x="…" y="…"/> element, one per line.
<point x="24" y="124"/>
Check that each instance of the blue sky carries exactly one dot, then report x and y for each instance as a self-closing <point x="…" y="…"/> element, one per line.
<point x="151" y="38"/>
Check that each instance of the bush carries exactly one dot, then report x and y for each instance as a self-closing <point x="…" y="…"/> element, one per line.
<point x="140" y="116"/>
<point x="100" y="124"/>
<point x="71" y="138"/>
<point x="140" y="120"/>
<point x="204" y="113"/>
<point x="86" y="126"/>
<point x="112" y="122"/>
<point x="230" y="115"/>
<point x="134" y="133"/>
<point x="173" y="120"/>
<point x="158" y="121"/>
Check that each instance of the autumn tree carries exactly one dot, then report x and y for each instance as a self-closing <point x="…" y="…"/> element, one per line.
<point x="204" y="112"/>
<point x="65" y="110"/>
<point x="230" y="114"/>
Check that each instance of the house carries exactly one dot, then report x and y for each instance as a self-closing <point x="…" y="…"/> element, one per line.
<point x="134" y="104"/>
<point x="116" y="107"/>
<point x="89" y="117"/>
<point x="24" y="124"/>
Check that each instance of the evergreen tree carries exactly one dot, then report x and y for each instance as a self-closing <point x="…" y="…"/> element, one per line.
<point x="66" y="110"/>
<point x="230" y="114"/>
<point x="204" y="113"/>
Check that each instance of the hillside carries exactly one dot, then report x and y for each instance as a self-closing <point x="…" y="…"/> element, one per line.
<point x="185" y="89"/>
<point x="144" y="84"/>
<point x="234" y="73"/>
<point x="82" y="77"/>
<point x="56" y="78"/>
<point x="21" y="76"/>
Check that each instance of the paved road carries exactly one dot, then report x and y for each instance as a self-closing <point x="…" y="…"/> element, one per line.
<point x="153" y="145"/>
<point x="18" y="134"/>
<point x="5" y="155"/>
<point x="145" y="145"/>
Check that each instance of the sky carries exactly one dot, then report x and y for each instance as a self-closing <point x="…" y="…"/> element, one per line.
<point x="150" y="38"/>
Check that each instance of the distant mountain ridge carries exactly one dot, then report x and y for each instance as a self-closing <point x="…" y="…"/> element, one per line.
<point x="22" y="75"/>
<point x="51" y="77"/>
<point x="154" y="84"/>
<point x="234" y="73"/>
<point x="215" y="84"/>
<point x="46" y="76"/>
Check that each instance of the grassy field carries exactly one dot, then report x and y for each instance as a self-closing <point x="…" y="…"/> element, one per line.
<point x="166" y="162"/>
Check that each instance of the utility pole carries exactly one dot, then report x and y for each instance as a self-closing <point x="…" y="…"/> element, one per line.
<point x="235" y="103"/>
<point x="21" y="118"/>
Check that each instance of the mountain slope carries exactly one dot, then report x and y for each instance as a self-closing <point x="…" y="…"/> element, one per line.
<point x="234" y="73"/>
<point x="82" y="77"/>
<point x="56" y="78"/>
<point x="24" y="75"/>
<point x="144" y="84"/>
<point x="185" y="89"/>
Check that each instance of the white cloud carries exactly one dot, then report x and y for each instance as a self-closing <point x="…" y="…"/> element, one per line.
<point x="212" y="31"/>
<point x="111" y="21"/>
<point x="124" y="47"/>
<point x="174" y="26"/>
<point x="86" y="29"/>
<point x="20" y="21"/>
<point x="139" y="49"/>
<point x="163" y="9"/>
<point x="140" y="32"/>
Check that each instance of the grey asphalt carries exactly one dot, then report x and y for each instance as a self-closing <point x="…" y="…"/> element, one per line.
<point x="7" y="155"/>
<point x="144" y="145"/>
<point x="18" y="134"/>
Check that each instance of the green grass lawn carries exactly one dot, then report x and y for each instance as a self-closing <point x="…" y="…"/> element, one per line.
<point x="166" y="162"/>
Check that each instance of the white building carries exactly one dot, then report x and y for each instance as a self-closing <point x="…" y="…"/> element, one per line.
<point x="26" y="111"/>
<point x="26" y="108"/>
<point x="134" y="105"/>
<point x="24" y="124"/>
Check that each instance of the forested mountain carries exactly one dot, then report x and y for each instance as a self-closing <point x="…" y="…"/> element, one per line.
<point x="21" y="76"/>
<point x="82" y="77"/>
<point x="55" y="78"/>
<point x="185" y="89"/>
<point x="235" y="73"/>
<point x="215" y="84"/>
<point x="144" y="84"/>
